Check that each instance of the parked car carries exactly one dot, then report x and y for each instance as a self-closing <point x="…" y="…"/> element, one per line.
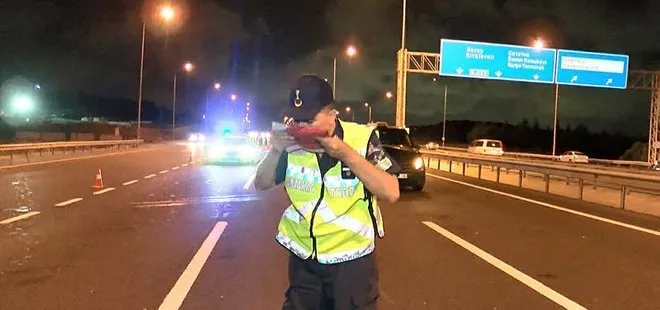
<point x="397" y="143"/>
<point x="574" y="157"/>
<point x="486" y="147"/>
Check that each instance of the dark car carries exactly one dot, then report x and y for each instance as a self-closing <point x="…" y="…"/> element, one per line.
<point x="397" y="143"/>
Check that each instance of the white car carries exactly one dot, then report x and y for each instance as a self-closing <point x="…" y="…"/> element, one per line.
<point x="486" y="147"/>
<point x="432" y="146"/>
<point x="574" y="157"/>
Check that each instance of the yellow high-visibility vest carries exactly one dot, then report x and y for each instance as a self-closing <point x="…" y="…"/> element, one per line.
<point x="331" y="218"/>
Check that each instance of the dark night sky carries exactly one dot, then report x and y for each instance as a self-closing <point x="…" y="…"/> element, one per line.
<point x="94" y="46"/>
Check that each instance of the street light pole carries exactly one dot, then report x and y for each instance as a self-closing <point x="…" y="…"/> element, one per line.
<point x="366" y="104"/>
<point x="334" y="78"/>
<point x="554" y="123"/>
<point x="444" y="118"/>
<point x="174" y="109"/>
<point x="139" y="120"/>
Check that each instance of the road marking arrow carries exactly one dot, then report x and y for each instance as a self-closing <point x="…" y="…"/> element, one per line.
<point x="574" y="79"/>
<point x="609" y="82"/>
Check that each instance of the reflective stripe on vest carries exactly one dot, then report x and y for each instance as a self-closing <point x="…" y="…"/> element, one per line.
<point x="343" y="225"/>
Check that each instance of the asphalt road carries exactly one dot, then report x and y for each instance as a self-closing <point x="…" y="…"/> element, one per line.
<point x="199" y="237"/>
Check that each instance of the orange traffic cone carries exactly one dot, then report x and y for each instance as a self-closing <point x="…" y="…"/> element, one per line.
<point x="98" y="181"/>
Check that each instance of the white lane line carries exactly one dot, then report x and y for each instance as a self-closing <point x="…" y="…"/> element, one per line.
<point x="508" y="269"/>
<point x="103" y="191"/>
<point x="175" y="168"/>
<point x="184" y="165"/>
<point x="150" y="176"/>
<point x="249" y="182"/>
<point x="163" y="171"/>
<point x="68" y="202"/>
<point x="129" y="182"/>
<point x="551" y="206"/>
<point x="18" y="218"/>
<point x="175" y="298"/>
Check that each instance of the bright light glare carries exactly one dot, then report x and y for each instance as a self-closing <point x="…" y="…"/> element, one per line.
<point x="419" y="163"/>
<point x="23" y="104"/>
<point x="388" y="95"/>
<point x="216" y="86"/>
<point x="233" y="96"/>
<point x="351" y="51"/>
<point x="366" y="104"/>
<point x="167" y="12"/>
<point x="539" y="44"/>
<point x="348" y="109"/>
<point x="188" y="66"/>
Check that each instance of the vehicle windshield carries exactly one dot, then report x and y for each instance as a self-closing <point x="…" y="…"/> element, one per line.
<point x="497" y="144"/>
<point x="397" y="137"/>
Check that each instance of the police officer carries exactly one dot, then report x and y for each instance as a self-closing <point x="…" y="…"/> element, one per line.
<point x="330" y="226"/>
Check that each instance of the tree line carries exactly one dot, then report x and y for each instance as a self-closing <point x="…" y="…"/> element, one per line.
<point x="530" y="137"/>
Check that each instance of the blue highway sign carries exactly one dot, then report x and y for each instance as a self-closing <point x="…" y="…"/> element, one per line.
<point x="497" y="61"/>
<point x="592" y="69"/>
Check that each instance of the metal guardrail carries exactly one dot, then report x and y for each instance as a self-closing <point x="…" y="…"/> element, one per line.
<point x="27" y="149"/>
<point x="625" y="182"/>
<point x="532" y="156"/>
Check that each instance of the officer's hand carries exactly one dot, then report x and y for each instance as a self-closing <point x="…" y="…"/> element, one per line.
<point x="335" y="147"/>
<point x="280" y="140"/>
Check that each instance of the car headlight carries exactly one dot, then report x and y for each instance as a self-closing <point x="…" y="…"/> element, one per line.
<point x="418" y="163"/>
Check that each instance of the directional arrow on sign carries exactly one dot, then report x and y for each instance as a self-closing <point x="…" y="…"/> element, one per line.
<point x="535" y="76"/>
<point x="459" y="70"/>
<point x="574" y="79"/>
<point x="498" y="73"/>
<point x="609" y="82"/>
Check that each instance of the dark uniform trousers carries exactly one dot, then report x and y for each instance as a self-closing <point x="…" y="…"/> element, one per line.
<point x="351" y="285"/>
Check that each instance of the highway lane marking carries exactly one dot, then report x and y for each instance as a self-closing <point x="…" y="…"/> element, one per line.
<point x="175" y="168"/>
<point x="68" y="202"/>
<point x="508" y="269"/>
<point x="18" y="218"/>
<point x="103" y="191"/>
<point x="130" y="182"/>
<point x="150" y="176"/>
<point x="74" y="158"/>
<point x="551" y="206"/>
<point x="164" y="171"/>
<point x="249" y="181"/>
<point x="175" y="298"/>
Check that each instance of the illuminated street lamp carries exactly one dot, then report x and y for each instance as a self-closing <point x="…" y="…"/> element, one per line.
<point x="350" y="52"/>
<point x="366" y="104"/>
<point x="348" y="110"/>
<point x="167" y="13"/>
<point x="389" y="95"/>
<point x="22" y="104"/>
<point x="216" y="86"/>
<point x="539" y="44"/>
<point x="233" y="97"/>
<point x="188" y="66"/>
